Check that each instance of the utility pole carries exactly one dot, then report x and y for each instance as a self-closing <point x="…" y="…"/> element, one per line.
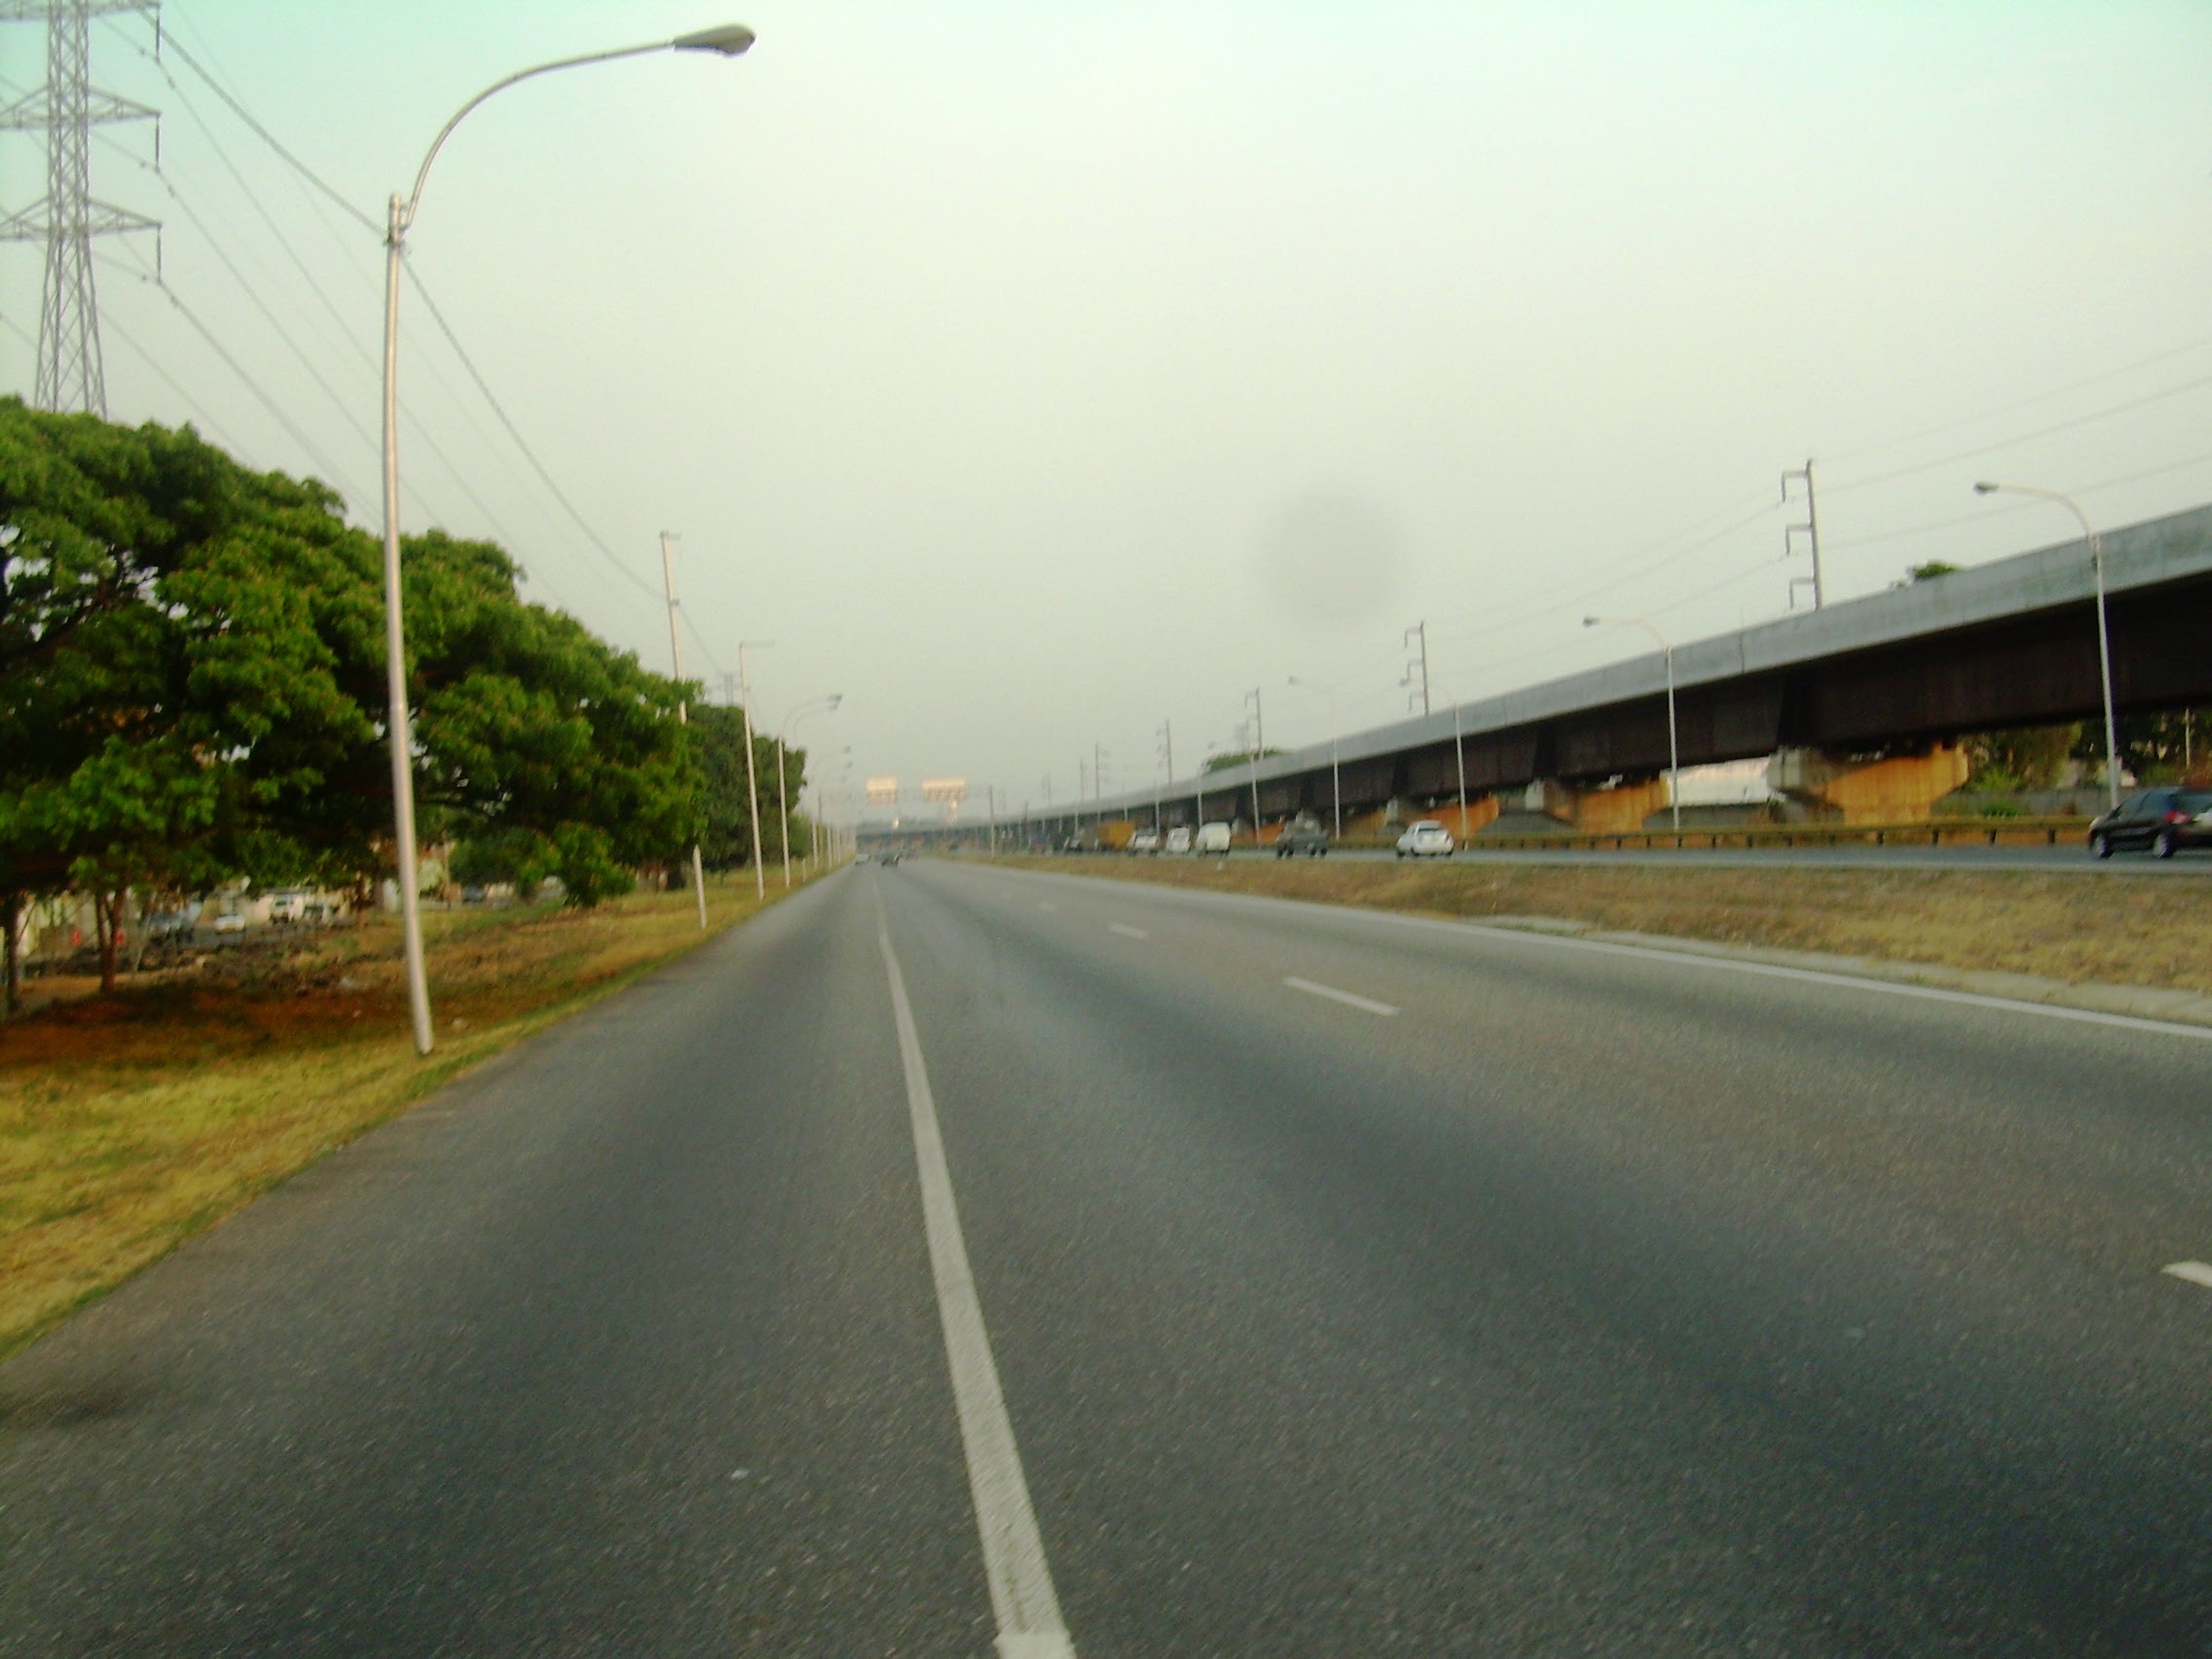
<point x="752" y="790"/>
<point x="1417" y="638"/>
<point x="71" y="377"/>
<point x="683" y="714"/>
<point x="1810" y="530"/>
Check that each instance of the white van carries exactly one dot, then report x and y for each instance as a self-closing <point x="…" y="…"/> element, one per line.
<point x="1212" y="838"/>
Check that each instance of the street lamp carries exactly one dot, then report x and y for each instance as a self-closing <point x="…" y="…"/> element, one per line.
<point x="1459" y="757"/>
<point x="728" y="41"/>
<point x="820" y="705"/>
<point x="1336" y="789"/>
<point x="1673" y="752"/>
<point x="2104" y="635"/>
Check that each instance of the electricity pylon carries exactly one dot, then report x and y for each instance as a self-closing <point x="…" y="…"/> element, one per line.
<point x="70" y="375"/>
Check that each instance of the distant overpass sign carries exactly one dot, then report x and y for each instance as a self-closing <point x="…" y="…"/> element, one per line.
<point x="883" y="791"/>
<point x="948" y="792"/>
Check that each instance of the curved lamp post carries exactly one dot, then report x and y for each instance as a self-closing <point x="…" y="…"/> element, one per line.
<point x="727" y="41"/>
<point x="818" y="705"/>
<point x="1673" y="752"/>
<point x="1336" y="781"/>
<point x="2104" y="635"/>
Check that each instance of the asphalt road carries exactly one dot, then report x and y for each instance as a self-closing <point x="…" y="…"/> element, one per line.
<point x="1271" y="1280"/>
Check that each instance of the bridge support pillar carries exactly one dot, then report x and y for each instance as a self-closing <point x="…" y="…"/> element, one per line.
<point x="1619" y="810"/>
<point x="1895" y="788"/>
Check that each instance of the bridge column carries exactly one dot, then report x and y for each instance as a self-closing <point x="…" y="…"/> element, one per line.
<point x="1617" y="811"/>
<point x="1895" y="788"/>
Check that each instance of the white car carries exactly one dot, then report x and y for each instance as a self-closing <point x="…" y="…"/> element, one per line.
<point x="1212" y="838"/>
<point x="1179" y="838"/>
<point x="1145" y="841"/>
<point x="1426" y="839"/>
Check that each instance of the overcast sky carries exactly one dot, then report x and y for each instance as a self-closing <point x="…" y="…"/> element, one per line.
<point x="1035" y="373"/>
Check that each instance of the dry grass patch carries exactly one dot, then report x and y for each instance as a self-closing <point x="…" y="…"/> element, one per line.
<point x="129" y="1124"/>
<point x="2094" y="928"/>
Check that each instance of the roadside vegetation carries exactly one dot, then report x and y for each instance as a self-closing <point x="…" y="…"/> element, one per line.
<point x="2100" y="928"/>
<point x="193" y="698"/>
<point x="129" y="1123"/>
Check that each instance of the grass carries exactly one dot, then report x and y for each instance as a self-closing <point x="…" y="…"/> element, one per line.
<point x="129" y="1124"/>
<point x="2097" y="928"/>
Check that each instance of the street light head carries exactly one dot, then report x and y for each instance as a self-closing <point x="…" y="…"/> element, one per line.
<point x="836" y="697"/>
<point x="1985" y="488"/>
<point x="730" y="40"/>
<point x="1592" y="621"/>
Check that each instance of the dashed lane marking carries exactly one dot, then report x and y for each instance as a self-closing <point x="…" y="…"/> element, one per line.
<point x="2196" y="1272"/>
<point x="1366" y="1005"/>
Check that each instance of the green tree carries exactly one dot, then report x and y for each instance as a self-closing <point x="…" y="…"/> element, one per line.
<point x="173" y="705"/>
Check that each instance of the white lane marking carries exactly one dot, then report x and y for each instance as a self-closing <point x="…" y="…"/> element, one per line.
<point x="1680" y="959"/>
<point x="1023" y="1599"/>
<point x="2196" y="1272"/>
<point x="1125" y="931"/>
<point x="1367" y="1003"/>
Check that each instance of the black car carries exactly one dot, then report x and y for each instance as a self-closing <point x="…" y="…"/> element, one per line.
<point x="1309" y="838"/>
<point x="2164" y="821"/>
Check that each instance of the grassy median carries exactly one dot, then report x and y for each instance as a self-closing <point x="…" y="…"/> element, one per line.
<point x="129" y="1122"/>
<point x="2093" y="927"/>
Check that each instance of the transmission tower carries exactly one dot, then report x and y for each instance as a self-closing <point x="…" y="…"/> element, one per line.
<point x="66" y="109"/>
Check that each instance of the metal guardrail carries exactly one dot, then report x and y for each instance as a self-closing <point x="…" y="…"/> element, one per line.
<point x="1924" y="832"/>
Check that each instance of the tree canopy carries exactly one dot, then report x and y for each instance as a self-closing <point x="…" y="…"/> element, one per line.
<point x="193" y="690"/>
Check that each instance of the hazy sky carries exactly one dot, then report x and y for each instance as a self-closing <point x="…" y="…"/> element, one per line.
<point x="1033" y="373"/>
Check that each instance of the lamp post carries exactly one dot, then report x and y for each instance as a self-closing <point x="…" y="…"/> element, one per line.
<point x="751" y="790"/>
<point x="1335" y="789"/>
<point x="1458" y="755"/>
<point x="1674" y="751"/>
<point x="818" y="705"/>
<point x="728" y="41"/>
<point x="2104" y="633"/>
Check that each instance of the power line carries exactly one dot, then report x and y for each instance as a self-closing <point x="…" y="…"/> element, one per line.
<point x="266" y="136"/>
<point x="299" y="437"/>
<point x="1975" y="419"/>
<point x="2105" y="413"/>
<point x="544" y="477"/>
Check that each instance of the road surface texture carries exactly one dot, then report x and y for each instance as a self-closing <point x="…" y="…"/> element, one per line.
<point x="1268" y="1281"/>
<point x="2065" y="859"/>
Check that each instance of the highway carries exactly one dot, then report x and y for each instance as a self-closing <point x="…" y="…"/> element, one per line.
<point x="955" y="1256"/>
<point x="2069" y="860"/>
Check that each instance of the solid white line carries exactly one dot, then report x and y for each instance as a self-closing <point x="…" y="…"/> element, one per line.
<point x="1365" y="1004"/>
<point x="1023" y="1599"/>
<point x="1125" y="931"/>
<point x="2196" y="1272"/>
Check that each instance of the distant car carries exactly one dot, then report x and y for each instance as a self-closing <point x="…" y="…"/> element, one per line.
<point x="1179" y="838"/>
<point x="233" y="923"/>
<point x="2163" y="821"/>
<point x="890" y="858"/>
<point x="1145" y="841"/>
<point x="1426" y="839"/>
<point x="863" y="858"/>
<point x="1212" y="838"/>
<point x="1309" y="838"/>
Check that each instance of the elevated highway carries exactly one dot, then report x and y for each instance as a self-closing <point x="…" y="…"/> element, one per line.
<point x="1862" y="696"/>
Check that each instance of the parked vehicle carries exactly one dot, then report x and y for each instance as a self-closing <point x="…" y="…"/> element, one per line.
<point x="1425" y="840"/>
<point x="1309" y="838"/>
<point x="1179" y="838"/>
<point x="1145" y="841"/>
<point x="2163" y="821"/>
<point x="1212" y="838"/>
